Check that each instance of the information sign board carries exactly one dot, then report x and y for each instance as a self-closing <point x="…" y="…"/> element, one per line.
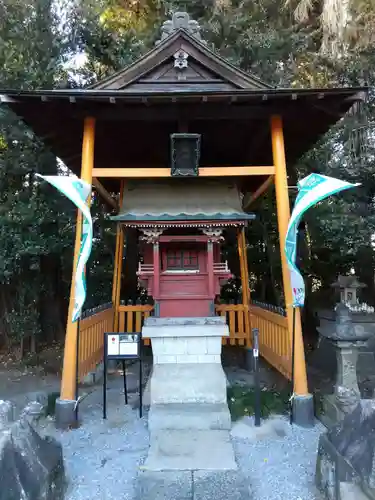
<point x="122" y="345"/>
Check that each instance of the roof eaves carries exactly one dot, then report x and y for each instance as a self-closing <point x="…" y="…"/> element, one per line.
<point x="146" y="55"/>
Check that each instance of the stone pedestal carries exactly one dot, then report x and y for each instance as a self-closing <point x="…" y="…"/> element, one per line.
<point x="189" y="416"/>
<point x="188" y="387"/>
<point x="346" y="394"/>
<point x="347" y="339"/>
<point x="186" y="340"/>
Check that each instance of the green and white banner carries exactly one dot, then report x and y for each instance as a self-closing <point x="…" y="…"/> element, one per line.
<point x="77" y="191"/>
<point x="312" y="189"/>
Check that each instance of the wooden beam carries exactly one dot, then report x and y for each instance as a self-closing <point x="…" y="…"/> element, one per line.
<point x="211" y="111"/>
<point x="261" y="189"/>
<point x="166" y="172"/>
<point x="104" y="193"/>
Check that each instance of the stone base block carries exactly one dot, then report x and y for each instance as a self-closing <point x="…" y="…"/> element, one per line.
<point x="31" y="467"/>
<point x="186" y="340"/>
<point x="189" y="416"/>
<point x="190" y="450"/>
<point x="303" y="410"/>
<point x="188" y="383"/>
<point x="65" y="414"/>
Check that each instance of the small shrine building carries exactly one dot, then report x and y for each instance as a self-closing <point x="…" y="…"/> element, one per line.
<point x="180" y="144"/>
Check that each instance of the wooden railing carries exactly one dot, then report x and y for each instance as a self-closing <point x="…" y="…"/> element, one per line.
<point x="235" y="317"/>
<point x="145" y="268"/>
<point x="274" y="339"/>
<point x="91" y="339"/>
<point x="131" y="318"/>
<point x="221" y="267"/>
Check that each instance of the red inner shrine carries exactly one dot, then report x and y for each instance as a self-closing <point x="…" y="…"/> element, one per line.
<point x="183" y="273"/>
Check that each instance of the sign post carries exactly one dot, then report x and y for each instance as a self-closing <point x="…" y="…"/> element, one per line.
<point x="120" y="347"/>
<point x="257" y="409"/>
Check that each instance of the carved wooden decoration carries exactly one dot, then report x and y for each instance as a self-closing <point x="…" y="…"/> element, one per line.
<point x="215" y="234"/>
<point x="151" y="235"/>
<point x="181" y="59"/>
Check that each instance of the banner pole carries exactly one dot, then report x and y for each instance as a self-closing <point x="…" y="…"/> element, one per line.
<point x="77" y="366"/>
<point x="293" y="356"/>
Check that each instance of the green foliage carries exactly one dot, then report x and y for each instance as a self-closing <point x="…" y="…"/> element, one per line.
<point x="33" y="221"/>
<point x="241" y="402"/>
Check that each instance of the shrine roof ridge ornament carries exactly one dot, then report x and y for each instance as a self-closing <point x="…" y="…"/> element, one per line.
<point x="180" y="21"/>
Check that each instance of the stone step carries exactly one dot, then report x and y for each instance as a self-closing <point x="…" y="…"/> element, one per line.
<point x="188" y="383"/>
<point x="192" y="485"/>
<point x="189" y="416"/>
<point x="190" y="450"/>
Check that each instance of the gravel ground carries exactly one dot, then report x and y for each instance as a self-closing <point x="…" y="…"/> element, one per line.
<point x="281" y="468"/>
<point x="102" y="457"/>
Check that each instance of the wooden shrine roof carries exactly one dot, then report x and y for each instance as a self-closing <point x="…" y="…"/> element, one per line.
<point x="179" y="86"/>
<point x="173" y="200"/>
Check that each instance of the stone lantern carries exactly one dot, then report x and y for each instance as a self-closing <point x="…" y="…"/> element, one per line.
<point x="347" y="339"/>
<point x="348" y="287"/>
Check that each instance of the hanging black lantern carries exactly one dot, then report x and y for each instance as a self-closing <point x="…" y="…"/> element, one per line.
<point x="185" y="155"/>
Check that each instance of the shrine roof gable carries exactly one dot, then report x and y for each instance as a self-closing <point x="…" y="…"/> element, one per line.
<point x="180" y="62"/>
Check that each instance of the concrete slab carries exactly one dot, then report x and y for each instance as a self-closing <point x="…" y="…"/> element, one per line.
<point x="221" y="486"/>
<point x="189" y="416"/>
<point x="185" y="327"/>
<point x="190" y="450"/>
<point x="164" y="486"/>
<point x="201" y="321"/>
<point x="188" y="383"/>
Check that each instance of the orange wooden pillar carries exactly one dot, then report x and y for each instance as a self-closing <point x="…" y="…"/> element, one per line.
<point x="156" y="279"/>
<point x="303" y="402"/>
<point x="242" y="253"/>
<point x="66" y="403"/>
<point x="210" y="268"/>
<point x="115" y="267"/>
<point x="117" y="275"/>
<point x="117" y="271"/>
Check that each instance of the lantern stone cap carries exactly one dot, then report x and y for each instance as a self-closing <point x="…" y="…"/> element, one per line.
<point x="342" y="329"/>
<point x="348" y="282"/>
